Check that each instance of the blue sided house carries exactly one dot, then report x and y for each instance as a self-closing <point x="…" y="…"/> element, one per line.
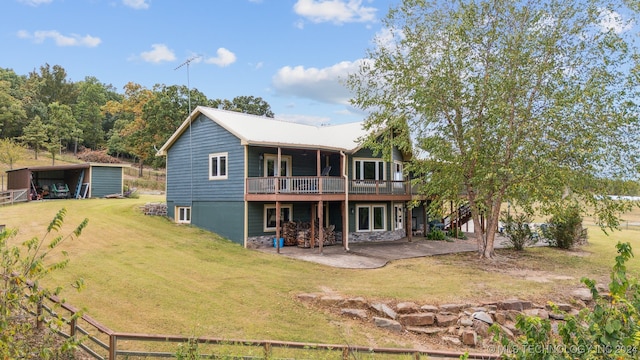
<point x="254" y="179"/>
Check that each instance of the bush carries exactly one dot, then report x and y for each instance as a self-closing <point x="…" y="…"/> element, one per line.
<point x="608" y="330"/>
<point x="518" y="231"/>
<point x="564" y="229"/>
<point x="436" y="234"/>
<point x="20" y="295"/>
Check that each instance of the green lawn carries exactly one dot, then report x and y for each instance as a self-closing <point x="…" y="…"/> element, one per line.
<point x="148" y="275"/>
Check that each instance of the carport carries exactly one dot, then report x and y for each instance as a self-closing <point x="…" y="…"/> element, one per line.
<point x="76" y="181"/>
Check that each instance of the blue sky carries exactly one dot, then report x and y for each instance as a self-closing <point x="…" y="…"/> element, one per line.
<point x="292" y="53"/>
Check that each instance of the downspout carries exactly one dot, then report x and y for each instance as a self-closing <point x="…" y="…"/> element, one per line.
<point x="346" y="200"/>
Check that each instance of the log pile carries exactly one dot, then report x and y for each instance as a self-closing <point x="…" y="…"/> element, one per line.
<point x="290" y="233"/>
<point x="304" y="236"/>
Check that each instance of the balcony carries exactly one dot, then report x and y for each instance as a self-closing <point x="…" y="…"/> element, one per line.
<point x="326" y="187"/>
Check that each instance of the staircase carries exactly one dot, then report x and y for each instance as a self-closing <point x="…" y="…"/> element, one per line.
<point x="463" y="215"/>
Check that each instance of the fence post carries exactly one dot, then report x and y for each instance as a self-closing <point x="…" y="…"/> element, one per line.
<point x="267" y="350"/>
<point x="112" y="346"/>
<point x="345" y="353"/>
<point x="39" y="317"/>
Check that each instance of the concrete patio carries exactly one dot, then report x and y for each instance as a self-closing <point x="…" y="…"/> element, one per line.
<point x="371" y="255"/>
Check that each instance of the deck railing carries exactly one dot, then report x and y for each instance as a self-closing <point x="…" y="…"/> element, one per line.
<point x="323" y="185"/>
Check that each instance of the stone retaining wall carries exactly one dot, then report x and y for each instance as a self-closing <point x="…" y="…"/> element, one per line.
<point x="155" y="209"/>
<point x="456" y="325"/>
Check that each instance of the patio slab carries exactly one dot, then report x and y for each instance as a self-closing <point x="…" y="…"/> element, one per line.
<point x="371" y="255"/>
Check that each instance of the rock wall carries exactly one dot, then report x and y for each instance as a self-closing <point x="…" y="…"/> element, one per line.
<point x="155" y="209"/>
<point x="455" y="325"/>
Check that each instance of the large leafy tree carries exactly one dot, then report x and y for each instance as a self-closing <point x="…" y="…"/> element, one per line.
<point x="12" y="114"/>
<point x="62" y="125"/>
<point x="130" y="123"/>
<point x="87" y="110"/>
<point x="527" y="101"/>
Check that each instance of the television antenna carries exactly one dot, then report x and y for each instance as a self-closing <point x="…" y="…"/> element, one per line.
<point x="187" y="63"/>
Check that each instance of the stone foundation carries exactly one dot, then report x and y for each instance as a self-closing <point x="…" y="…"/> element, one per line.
<point x="254" y="242"/>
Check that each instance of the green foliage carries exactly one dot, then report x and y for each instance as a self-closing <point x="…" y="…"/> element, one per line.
<point x="188" y="350"/>
<point x="608" y="330"/>
<point x="10" y="152"/>
<point x="35" y="134"/>
<point x="564" y="228"/>
<point x="483" y="88"/>
<point x="518" y="231"/>
<point x="22" y="270"/>
<point x="436" y="234"/>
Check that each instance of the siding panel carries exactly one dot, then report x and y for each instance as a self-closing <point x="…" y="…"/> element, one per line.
<point x="106" y="180"/>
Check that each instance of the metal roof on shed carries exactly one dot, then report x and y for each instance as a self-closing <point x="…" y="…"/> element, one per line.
<point x="260" y="130"/>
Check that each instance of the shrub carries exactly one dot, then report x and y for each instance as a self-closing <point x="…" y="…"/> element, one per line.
<point x="20" y="295"/>
<point x="436" y="234"/>
<point x="608" y="330"/>
<point x="564" y="229"/>
<point x="518" y="231"/>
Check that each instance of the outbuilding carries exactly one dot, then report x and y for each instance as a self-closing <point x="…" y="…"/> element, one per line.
<point x="77" y="181"/>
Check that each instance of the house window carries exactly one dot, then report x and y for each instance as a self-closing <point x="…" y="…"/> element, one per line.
<point x="183" y="214"/>
<point x="270" y="215"/>
<point x="218" y="166"/>
<point x="371" y="217"/>
<point x="368" y="169"/>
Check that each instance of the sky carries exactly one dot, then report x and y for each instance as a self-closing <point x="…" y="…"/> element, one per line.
<point x="294" y="54"/>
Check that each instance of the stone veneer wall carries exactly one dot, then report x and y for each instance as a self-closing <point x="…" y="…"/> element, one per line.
<point x="354" y="237"/>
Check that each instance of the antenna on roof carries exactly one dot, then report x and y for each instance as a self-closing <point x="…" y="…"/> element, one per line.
<point x="187" y="63"/>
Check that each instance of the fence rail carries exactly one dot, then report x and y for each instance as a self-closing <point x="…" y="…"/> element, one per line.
<point x="103" y="343"/>
<point x="10" y="197"/>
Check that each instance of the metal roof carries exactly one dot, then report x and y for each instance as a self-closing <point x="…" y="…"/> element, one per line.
<point x="260" y="130"/>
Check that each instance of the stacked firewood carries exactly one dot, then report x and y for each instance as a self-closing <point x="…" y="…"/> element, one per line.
<point x="304" y="236"/>
<point x="290" y="233"/>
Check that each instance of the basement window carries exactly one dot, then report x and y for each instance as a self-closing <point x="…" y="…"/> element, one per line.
<point x="183" y="214"/>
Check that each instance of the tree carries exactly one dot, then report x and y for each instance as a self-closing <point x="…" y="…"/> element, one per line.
<point x="92" y="96"/>
<point x="527" y="101"/>
<point x="130" y="121"/>
<point x="62" y="124"/>
<point x="248" y="105"/>
<point x="12" y="115"/>
<point x="35" y="134"/>
<point x="10" y="152"/>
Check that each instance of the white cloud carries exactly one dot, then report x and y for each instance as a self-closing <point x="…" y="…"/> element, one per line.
<point x="35" y="2"/>
<point x="335" y="11"/>
<point x="611" y="20"/>
<point x="159" y="54"/>
<point x="137" y="4"/>
<point x="224" y="58"/>
<point x="61" y="40"/>
<point x="323" y="85"/>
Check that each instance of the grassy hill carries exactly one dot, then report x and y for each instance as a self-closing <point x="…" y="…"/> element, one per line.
<point x="148" y="275"/>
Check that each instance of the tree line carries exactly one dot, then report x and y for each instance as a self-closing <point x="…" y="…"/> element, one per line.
<point x="45" y="111"/>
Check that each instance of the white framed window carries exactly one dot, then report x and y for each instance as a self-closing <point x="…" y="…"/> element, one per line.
<point x="183" y="214"/>
<point x="286" y="212"/>
<point x="270" y="169"/>
<point x="371" y="217"/>
<point x="369" y="169"/>
<point x="218" y="166"/>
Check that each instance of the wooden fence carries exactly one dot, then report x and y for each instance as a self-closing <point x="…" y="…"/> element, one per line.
<point x="9" y="197"/>
<point x="102" y="343"/>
